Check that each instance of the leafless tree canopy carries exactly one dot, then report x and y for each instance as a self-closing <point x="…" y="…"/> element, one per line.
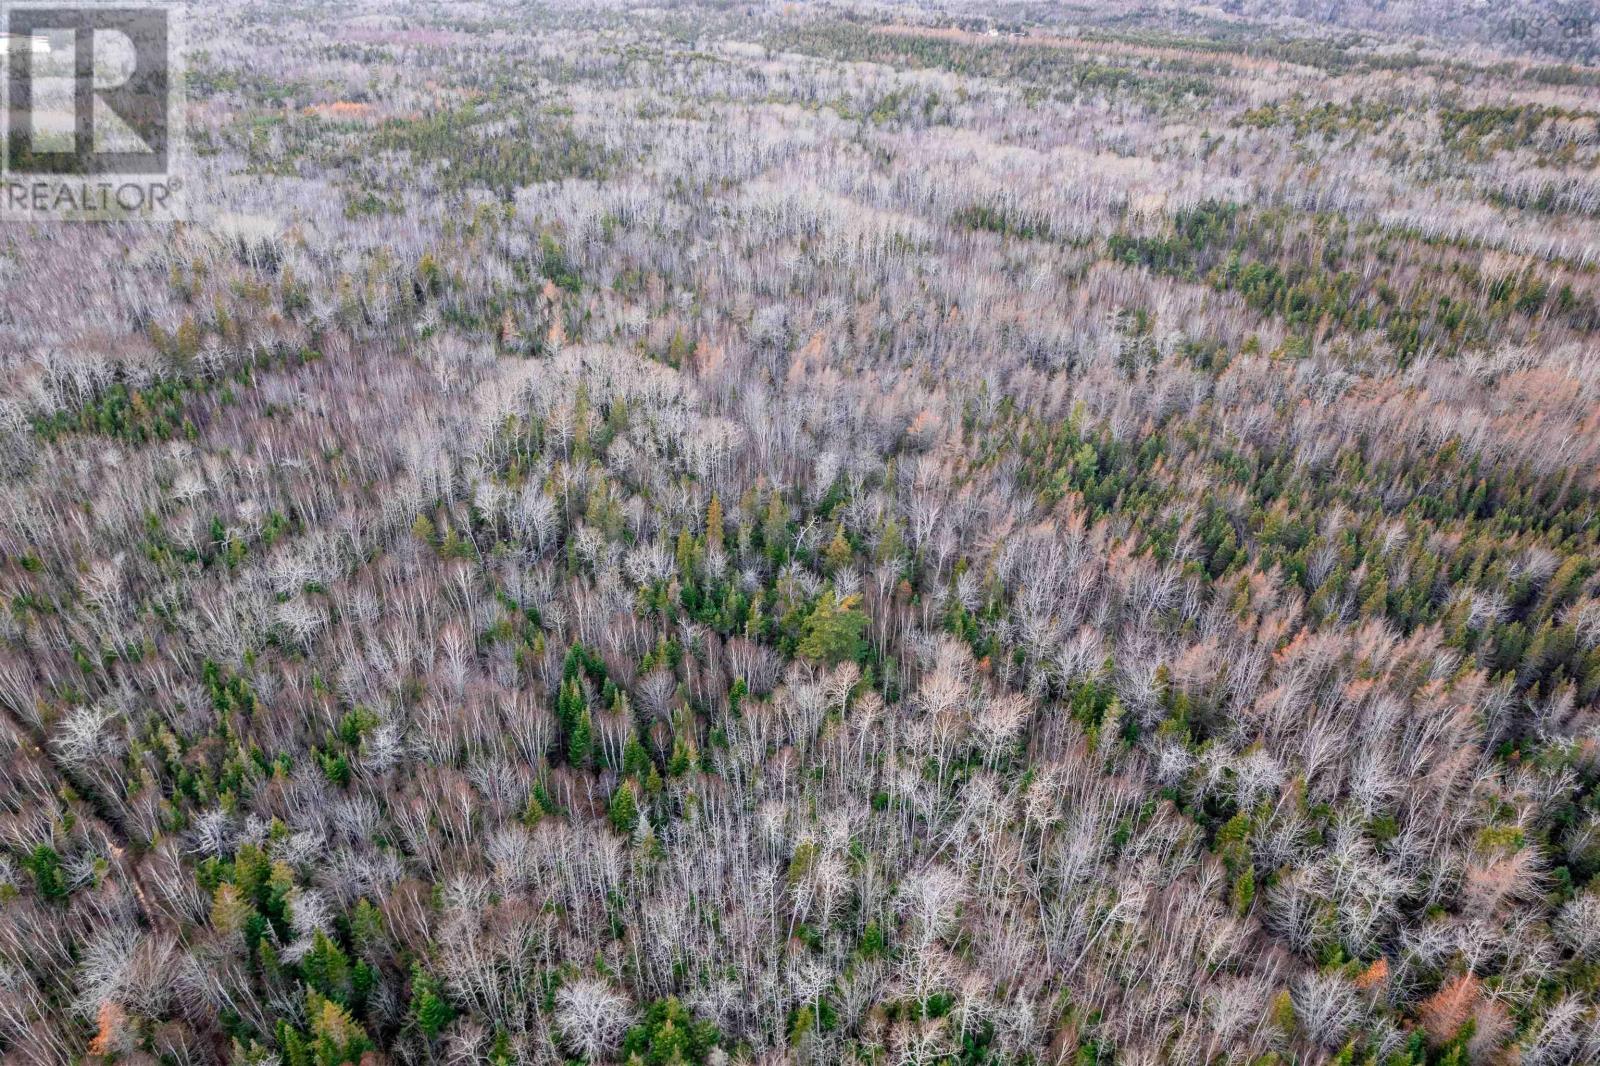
<point x="859" y="533"/>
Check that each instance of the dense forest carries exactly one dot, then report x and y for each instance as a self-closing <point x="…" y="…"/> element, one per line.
<point x="854" y="533"/>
